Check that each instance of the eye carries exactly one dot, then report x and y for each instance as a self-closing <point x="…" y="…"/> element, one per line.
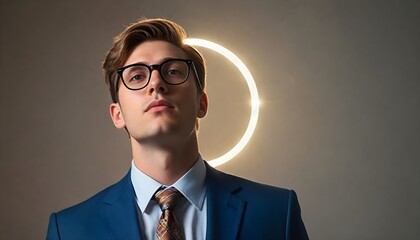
<point x="137" y="77"/>
<point x="174" y="72"/>
<point x="136" y="74"/>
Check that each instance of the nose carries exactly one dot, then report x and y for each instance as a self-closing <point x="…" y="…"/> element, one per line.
<point x="156" y="84"/>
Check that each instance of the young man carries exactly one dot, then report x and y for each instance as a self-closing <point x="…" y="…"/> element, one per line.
<point x="157" y="84"/>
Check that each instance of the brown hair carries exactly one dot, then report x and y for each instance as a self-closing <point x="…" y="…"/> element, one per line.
<point x="139" y="32"/>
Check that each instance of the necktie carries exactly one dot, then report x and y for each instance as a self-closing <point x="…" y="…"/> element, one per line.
<point x="168" y="227"/>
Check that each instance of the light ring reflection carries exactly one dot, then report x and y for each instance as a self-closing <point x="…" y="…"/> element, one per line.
<point x="255" y="103"/>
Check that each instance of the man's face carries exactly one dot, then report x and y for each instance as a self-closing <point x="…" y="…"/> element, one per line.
<point x="160" y="112"/>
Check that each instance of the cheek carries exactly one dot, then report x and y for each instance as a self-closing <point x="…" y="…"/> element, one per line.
<point x="131" y="105"/>
<point x="130" y="98"/>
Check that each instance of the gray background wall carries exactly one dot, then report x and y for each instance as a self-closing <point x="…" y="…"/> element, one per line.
<point x="340" y="118"/>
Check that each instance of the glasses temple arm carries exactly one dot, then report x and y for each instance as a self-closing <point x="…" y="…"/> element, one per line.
<point x="196" y="76"/>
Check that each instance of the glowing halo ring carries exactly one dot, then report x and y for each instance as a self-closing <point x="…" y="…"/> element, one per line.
<point x="255" y="102"/>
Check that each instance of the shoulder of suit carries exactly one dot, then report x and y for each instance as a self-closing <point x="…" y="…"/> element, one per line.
<point x="247" y="185"/>
<point x="93" y="202"/>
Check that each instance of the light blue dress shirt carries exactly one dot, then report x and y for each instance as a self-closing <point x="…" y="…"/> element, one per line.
<point x="191" y="211"/>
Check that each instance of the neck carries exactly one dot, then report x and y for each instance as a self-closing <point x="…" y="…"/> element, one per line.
<point x="165" y="164"/>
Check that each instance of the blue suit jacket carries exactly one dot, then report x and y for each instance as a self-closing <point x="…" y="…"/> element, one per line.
<point x="236" y="209"/>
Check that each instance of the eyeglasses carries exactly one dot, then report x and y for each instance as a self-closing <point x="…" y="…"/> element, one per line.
<point x="173" y="71"/>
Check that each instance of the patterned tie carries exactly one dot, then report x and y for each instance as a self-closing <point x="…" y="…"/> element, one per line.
<point x="168" y="227"/>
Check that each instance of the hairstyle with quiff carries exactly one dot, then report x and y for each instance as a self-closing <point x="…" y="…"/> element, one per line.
<point x="145" y="30"/>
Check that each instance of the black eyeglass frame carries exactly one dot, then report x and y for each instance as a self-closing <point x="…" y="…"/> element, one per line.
<point x="158" y="67"/>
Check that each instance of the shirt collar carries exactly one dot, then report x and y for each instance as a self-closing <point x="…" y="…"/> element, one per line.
<point x="191" y="185"/>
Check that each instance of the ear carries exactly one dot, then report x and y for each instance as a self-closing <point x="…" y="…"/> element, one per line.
<point x="116" y="115"/>
<point x="203" y="105"/>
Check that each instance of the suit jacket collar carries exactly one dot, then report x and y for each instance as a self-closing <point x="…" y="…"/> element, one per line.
<point x="120" y="210"/>
<point x="224" y="209"/>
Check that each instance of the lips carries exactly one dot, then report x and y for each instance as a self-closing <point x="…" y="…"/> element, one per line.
<point x="158" y="105"/>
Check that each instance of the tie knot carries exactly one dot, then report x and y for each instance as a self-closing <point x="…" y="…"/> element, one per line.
<point x="166" y="198"/>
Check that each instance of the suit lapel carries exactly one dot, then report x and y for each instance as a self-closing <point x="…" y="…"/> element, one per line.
<point x="120" y="212"/>
<point x="224" y="209"/>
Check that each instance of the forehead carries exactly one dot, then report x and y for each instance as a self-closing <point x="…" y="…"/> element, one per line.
<point x="154" y="52"/>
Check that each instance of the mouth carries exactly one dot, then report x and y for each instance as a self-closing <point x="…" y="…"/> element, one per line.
<point x="159" y="105"/>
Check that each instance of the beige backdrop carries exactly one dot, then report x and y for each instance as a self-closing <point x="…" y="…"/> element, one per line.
<point x="340" y="117"/>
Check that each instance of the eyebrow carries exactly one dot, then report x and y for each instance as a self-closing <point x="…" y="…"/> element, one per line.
<point x="160" y="62"/>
